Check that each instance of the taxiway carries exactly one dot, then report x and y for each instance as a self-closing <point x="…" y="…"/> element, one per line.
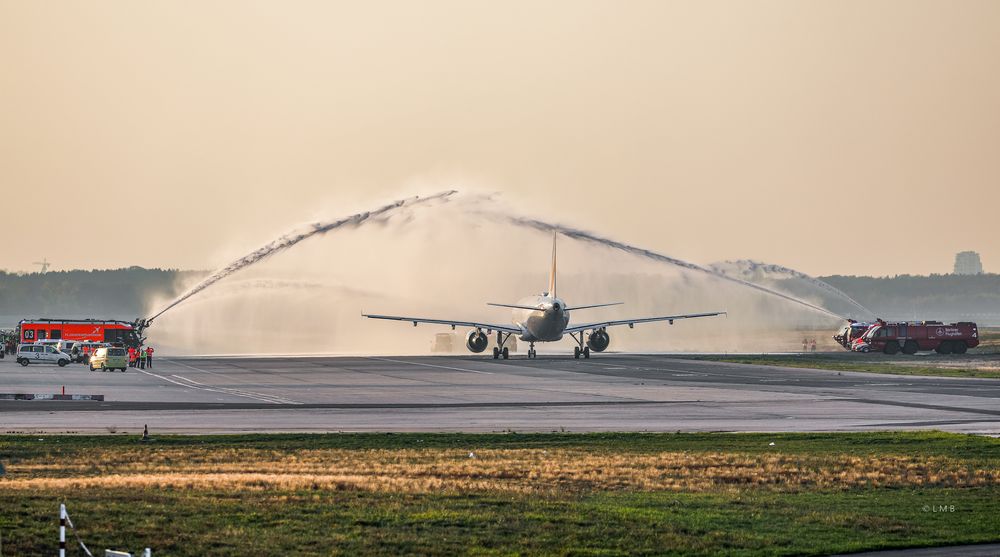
<point x="611" y="392"/>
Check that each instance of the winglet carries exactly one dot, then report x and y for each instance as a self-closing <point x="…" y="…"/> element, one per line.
<point x="552" y="272"/>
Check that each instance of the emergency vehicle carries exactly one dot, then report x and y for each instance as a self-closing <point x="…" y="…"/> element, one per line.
<point x="851" y="332"/>
<point x="85" y="349"/>
<point x="912" y="337"/>
<point x="98" y="330"/>
<point x="40" y="354"/>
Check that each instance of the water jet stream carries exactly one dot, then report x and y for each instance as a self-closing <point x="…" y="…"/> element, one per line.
<point x="750" y="265"/>
<point x="627" y="248"/>
<point x="288" y="240"/>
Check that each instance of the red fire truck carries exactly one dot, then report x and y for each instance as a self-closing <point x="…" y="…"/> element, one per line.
<point x="850" y="333"/>
<point x="912" y="337"/>
<point x="98" y="330"/>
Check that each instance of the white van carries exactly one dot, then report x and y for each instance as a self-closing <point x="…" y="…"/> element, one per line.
<point x="41" y="354"/>
<point x="66" y="346"/>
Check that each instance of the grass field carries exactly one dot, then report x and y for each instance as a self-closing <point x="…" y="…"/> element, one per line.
<point x="863" y="363"/>
<point x="558" y="494"/>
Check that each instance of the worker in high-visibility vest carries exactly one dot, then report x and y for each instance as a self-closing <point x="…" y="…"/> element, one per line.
<point x="142" y="358"/>
<point x="149" y="357"/>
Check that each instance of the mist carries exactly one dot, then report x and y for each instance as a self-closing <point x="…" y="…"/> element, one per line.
<point x="446" y="260"/>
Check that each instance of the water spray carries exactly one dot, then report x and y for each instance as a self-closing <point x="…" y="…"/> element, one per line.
<point x="750" y="265"/>
<point x="648" y="254"/>
<point x="288" y="240"/>
<point x="382" y="214"/>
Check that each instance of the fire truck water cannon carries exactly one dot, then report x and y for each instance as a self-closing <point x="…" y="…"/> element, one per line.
<point x="139" y="325"/>
<point x="850" y="333"/>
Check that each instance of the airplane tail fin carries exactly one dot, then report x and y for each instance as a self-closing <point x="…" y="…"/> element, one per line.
<point x="552" y="272"/>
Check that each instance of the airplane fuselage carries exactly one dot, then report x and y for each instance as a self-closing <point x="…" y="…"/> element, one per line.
<point x="546" y="323"/>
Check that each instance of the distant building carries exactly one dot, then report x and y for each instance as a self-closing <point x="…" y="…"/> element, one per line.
<point x="968" y="263"/>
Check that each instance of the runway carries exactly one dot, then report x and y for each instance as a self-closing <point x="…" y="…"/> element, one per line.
<point x="610" y="392"/>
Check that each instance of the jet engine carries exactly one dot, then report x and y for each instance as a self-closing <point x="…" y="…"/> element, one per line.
<point x="476" y="340"/>
<point x="598" y="340"/>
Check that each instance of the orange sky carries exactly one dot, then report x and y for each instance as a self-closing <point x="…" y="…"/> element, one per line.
<point x="833" y="137"/>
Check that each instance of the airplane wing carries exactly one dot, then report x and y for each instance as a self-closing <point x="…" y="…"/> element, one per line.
<point x="415" y="320"/>
<point x="632" y="322"/>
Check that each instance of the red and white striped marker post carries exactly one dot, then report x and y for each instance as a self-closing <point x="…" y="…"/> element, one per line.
<point x="62" y="530"/>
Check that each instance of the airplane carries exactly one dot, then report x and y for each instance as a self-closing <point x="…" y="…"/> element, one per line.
<point x="543" y="318"/>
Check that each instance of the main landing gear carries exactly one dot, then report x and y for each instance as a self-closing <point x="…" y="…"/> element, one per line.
<point x="500" y="349"/>
<point x="580" y="348"/>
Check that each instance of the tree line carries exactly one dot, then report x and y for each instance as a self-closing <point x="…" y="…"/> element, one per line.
<point x="124" y="293"/>
<point x="944" y="297"/>
<point x="103" y="294"/>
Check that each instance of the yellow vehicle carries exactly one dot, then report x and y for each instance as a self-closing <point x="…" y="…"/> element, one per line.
<point x="109" y="359"/>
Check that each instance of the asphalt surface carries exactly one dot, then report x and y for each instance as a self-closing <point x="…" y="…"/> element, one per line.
<point x="609" y="392"/>
<point x="983" y="550"/>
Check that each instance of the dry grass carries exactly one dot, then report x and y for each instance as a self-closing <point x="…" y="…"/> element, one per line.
<point x="421" y="494"/>
<point x="504" y="470"/>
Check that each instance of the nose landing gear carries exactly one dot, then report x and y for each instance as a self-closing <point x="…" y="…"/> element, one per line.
<point x="531" y="351"/>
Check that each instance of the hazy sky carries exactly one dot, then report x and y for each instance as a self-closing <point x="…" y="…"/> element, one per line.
<point x="833" y="137"/>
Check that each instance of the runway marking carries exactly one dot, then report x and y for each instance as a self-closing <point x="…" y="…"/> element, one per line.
<point x="191" y="384"/>
<point x="930" y="423"/>
<point x="925" y="406"/>
<point x="430" y="365"/>
<point x="683" y="372"/>
<point x="229" y="390"/>
<point x="239" y="392"/>
<point x="84" y="406"/>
